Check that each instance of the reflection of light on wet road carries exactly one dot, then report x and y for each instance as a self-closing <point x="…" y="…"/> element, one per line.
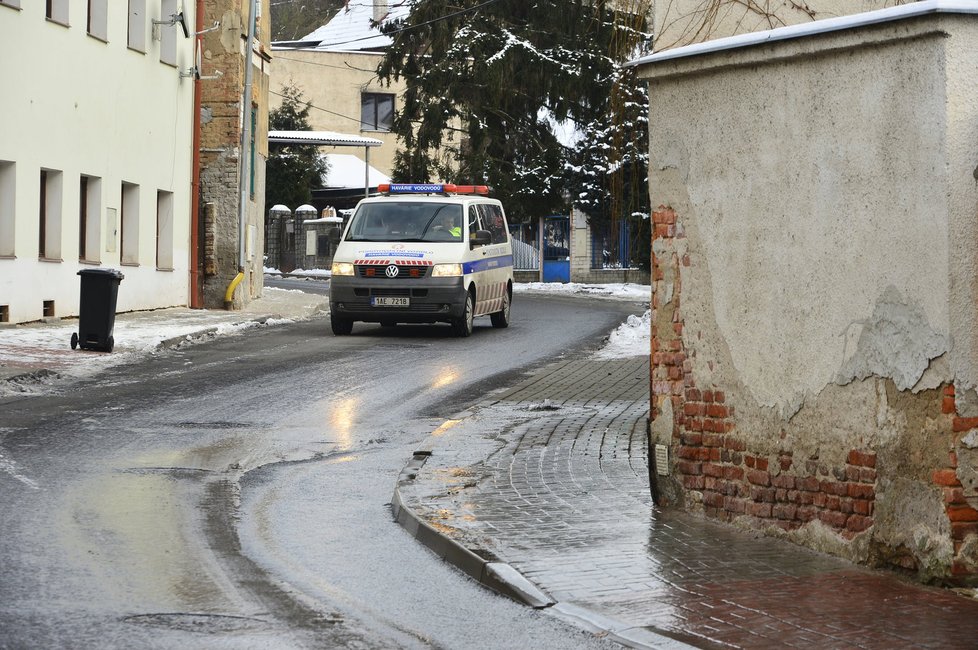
<point x="446" y="425"/>
<point x="341" y="416"/>
<point x="445" y="377"/>
<point x="349" y="458"/>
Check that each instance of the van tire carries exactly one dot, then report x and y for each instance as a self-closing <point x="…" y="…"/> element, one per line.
<point x="501" y="318"/>
<point x="462" y="327"/>
<point x="341" y="326"/>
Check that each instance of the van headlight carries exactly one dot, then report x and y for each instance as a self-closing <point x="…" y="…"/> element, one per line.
<point x="342" y="268"/>
<point x="446" y="271"/>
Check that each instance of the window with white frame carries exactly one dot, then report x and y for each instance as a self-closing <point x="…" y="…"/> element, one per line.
<point x="376" y="111"/>
<point x="137" y="25"/>
<point x="57" y="11"/>
<point x="49" y="222"/>
<point x="89" y="222"/>
<point x="129" y="224"/>
<point x="164" y="230"/>
<point x="10" y="3"/>
<point x="98" y="19"/>
<point x="8" y="188"/>
<point x="168" y="33"/>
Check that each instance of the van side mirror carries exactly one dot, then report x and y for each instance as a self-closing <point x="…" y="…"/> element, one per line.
<point x="480" y="238"/>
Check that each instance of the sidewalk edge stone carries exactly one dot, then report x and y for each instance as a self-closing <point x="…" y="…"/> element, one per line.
<point x="498" y="576"/>
<point x="633" y="637"/>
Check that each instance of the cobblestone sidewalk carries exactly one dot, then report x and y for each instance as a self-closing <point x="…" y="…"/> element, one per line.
<point x="543" y="493"/>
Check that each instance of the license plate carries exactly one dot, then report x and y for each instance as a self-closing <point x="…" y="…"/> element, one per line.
<point x="382" y="301"/>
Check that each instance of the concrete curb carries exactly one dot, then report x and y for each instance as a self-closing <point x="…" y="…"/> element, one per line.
<point x="498" y="576"/>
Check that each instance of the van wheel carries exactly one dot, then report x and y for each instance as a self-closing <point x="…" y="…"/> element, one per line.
<point x="462" y="327"/>
<point x="341" y="326"/>
<point x="501" y="318"/>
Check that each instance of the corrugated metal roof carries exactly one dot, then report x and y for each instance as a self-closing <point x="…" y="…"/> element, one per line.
<point x="816" y="27"/>
<point x="324" y="138"/>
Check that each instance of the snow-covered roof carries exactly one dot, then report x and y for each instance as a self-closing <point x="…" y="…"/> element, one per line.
<point x="324" y="138"/>
<point x="346" y="171"/>
<point x="816" y="27"/>
<point x="353" y="29"/>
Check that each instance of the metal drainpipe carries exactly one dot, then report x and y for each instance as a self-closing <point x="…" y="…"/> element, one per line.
<point x="245" y="142"/>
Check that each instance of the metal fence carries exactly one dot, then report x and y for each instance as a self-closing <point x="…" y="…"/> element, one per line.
<point x="526" y="246"/>
<point x="609" y="249"/>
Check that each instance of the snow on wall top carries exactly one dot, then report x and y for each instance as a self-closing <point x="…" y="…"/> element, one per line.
<point x="816" y="27"/>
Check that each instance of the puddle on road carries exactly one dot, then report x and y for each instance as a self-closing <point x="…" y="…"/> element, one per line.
<point x="139" y="541"/>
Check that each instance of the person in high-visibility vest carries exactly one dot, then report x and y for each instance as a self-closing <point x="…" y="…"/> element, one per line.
<point x="450" y="225"/>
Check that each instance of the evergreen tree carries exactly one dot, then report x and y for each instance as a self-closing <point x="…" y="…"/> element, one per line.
<point x="292" y="170"/>
<point x="479" y="73"/>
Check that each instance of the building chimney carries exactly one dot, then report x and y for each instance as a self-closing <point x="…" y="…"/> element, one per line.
<point x="381" y="9"/>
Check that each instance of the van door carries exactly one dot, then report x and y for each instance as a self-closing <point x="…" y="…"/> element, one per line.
<point x="497" y="259"/>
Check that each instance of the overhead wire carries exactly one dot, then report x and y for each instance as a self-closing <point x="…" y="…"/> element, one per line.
<point x="406" y="28"/>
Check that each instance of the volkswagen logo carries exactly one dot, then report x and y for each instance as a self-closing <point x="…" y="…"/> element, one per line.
<point x="391" y="271"/>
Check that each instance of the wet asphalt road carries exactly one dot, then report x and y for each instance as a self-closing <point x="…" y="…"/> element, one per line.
<point x="235" y="494"/>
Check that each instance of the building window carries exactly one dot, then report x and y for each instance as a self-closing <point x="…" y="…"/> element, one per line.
<point x="137" y="25"/>
<point x="10" y="3"/>
<point x="376" y="112"/>
<point x="89" y="223"/>
<point x="168" y="33"/>
<point x="57" y="11"/>
<point x="49" y="223"/>
<point x="98" y="19"/>
<point x="164" y="230"/>
<point x="129" y="224"/>
<point x="8" y="187"/>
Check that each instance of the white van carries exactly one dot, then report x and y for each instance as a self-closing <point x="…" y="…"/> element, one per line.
<point x="423" y="253"/>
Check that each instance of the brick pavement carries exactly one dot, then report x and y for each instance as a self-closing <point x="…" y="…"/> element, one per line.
<point x="551" y="478"/>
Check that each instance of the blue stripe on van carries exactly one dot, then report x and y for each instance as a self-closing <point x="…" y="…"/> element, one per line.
<point x="488" y="263"/>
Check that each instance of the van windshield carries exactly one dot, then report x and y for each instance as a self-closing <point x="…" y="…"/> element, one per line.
<point x="406" y="221"/>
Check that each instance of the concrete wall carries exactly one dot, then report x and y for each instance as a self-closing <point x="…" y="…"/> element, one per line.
<point x="80" y="105"/>
<point x="814" y="347"/>
<point x="334" y="81"/>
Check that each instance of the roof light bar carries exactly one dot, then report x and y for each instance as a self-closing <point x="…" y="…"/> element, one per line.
<point x="431" y="188"/>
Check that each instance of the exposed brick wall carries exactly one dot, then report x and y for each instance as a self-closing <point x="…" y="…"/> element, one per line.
<point x="715" y="469"/>
<point x="220" y="151"/>
<point x="963" y="517"/>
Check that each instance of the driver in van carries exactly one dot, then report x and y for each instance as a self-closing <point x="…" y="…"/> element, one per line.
<point x="450" y="225"/>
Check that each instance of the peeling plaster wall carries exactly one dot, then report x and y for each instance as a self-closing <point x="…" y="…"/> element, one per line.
<point x="815" y="285"/>
<point x="791" y="172"/>
<point x="962" y="170"/>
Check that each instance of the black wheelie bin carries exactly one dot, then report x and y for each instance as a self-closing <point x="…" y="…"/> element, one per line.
<point x="96" y="309"/>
